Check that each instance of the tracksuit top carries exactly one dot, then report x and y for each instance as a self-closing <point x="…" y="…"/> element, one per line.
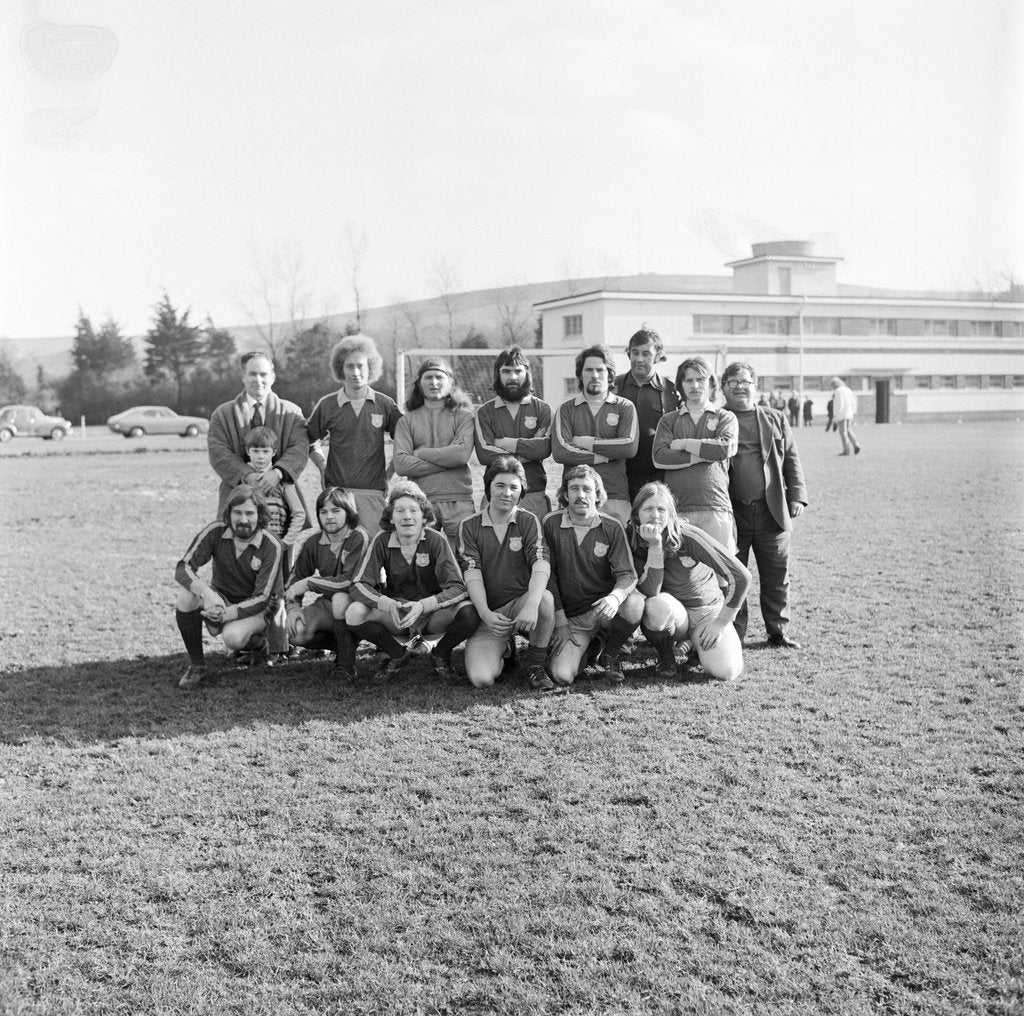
<point x="329" y="572"/>
<point x="703" y="485"/>
<point x="532" y="430"/>
<point x="251" y="580"/>
<point x="355" y="456"/>
<point x="506" y="567"/>
<point x="433" y="448"/>
<point x="653" y="399"/>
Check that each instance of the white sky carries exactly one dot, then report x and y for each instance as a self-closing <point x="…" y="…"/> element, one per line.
<point x="510" y="138"/>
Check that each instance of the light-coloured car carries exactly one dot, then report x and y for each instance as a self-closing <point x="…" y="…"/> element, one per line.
<point x="31" y="421"/>
<point x="141" y="420"/>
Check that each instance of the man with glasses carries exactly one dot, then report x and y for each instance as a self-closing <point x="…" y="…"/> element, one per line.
<point x="256" y="406"/>
<point x="766" y="485"/>
<point x="653" y="396"/>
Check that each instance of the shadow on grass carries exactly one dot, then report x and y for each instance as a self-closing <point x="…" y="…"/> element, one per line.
<point x="107" y="701"/>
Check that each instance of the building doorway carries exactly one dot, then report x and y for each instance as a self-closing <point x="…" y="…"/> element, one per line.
<point x="883" y="394"/>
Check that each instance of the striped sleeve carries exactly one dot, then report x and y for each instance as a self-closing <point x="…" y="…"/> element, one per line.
<point x="366" y="584"/>
<point x="662" y="454"/>
<point x="538" y="447"/>
<point x="709" y="551"/>
<point x="725" y="443"/>
<point x="483" y="435"/>
<point x="304" y="560"/>
<point x="199" y="552"/>
<point x="267" y="586"/>
<point x="562" y="449"/>
<point x="350" y="557"/>
<point x="627" y="434"/>
<point x="449" y="575"/>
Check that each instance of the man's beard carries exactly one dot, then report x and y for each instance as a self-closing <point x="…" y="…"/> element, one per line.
<point x="243" y="530"/>
<point x="513" y="392"/>
<point x="595" y="388"/>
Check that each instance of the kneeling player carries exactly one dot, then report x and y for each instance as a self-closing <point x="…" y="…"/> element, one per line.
<point x="421" y="592"/>
<point x="326" y="564"/>
<point x="245" y="589"/>
<point x="592" y="578"/>
<point x="501" y="549"/>
<point x="680" y="567"/>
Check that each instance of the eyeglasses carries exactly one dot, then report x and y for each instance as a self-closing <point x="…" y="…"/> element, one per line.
<point x="734" y="385"/>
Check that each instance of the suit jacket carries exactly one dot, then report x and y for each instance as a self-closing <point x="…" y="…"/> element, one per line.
<point x="783" y="476"/>
<point x="226" y="441"/>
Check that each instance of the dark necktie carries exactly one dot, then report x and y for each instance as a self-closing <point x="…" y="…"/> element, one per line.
<point x="257" y="417"/>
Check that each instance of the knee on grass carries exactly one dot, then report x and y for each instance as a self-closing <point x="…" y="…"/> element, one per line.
<point x="659" y="614"/>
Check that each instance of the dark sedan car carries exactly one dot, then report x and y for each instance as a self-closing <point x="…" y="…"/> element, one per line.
<point x="141" y="420"/>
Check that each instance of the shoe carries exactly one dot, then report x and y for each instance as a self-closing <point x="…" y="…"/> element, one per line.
<point x="841" y="454"/>
<point x="342" y="673"/>
<point x="279" y="659"/>
<point x="667" y="667"/>
<point x="389" y="668"/>
<point x="193" y="676"/>
<point x="856" y="451"/>
<point x="417" y="646"/>
<point x="594" y="652"/>
<point x="611" y="667"/>
<point x="443" y="668"/>
<point x="781" y="640"/>
<point x="539" y="680"/>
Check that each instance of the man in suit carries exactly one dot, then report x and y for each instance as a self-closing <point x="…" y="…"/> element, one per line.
<point x="766" y="486"/>
<point x="256" y="406"/>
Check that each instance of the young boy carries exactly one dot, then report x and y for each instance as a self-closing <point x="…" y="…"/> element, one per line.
<point x="286" y="513"/>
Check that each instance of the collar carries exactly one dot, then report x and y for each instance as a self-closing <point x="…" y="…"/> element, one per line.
<point x="250" y="401"/>
<point x="581" y="398"/>
<point x="393" y="539"/>
<point x="344" y="400"/>
<point x="567" y="522"/>
<point x="655" y="381"/>
<point x="325" y="539"/>
<point x="488" y="523"/>
<point x="500" y="402"/>
<point x="256" y="540"/>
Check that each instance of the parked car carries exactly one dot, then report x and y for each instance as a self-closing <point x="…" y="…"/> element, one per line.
<point x="141" y="420"/>
<point x="31" y="421"/>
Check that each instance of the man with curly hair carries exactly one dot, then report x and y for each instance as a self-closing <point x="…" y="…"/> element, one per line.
<point x="353" y="422"/>
<point x="409" y="584"/>
<point x="246" y="587"/>
<point x="433" y="443"/>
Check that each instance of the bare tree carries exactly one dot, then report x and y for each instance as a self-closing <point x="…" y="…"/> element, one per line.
<point x="280" y="295"/>
<point x="1002" y="281"/>
<point x="514" y="314"/>
<point x="444" y="279"/>
<point x="356" y="245"/>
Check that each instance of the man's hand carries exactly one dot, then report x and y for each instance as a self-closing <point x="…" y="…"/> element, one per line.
<point x="269" y="480"/>
<point x="296" y="623"/>
<point x="795" y="509"/>
<point x="607" y="607"/>
<point x="562" y="636"/>
<point x="392" y="608"/>
<point x="586" y="443"/>
<point x="507" y="444"/>
<point x="711" y="633"/>
<point x="651" y="534"/>
<point x="297" y="590"/>
<point x="412" y="613"/>
<point x="214" y="613"/>
<point x="230" y="614"/>
<point x="680" y="444"/>
<point x="497" y="623"/>
<point x="213" y="603"/>
<point x="526" y="619"/>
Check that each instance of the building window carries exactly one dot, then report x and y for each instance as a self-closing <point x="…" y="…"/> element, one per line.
<point x="572" y="325"/>
<point x="711" y="324"/>
<point x="982" y="328"/>
<point x="922" y="380"/>
<point x="1017" y="380"/>
<point x="971" y="381"/>
<point x="882" y="326"/>
<point x="853" y="326"/>
<point x="571" y="386"/>
<point x="822" y="325"/>
<point x="1012" y="329"/>
<point x="940" y="328"/>
<point x="997" y="380"/>
<point x="776" y="326"/>
<point x="947" y="380"/>
<point x="908" y="326"/>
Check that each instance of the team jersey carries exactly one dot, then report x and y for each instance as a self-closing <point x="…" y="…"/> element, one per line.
<point x="689" y="572"/>
<point x="531" y="427"/>
<point x="583" y="572"/>
<point x="616" y="435"/>
<point x="433" y="448"/>
<point x="355" y="458"/>
<point x="326" y="569"/>
<point x="703" y="484"/>
<point x="433" y="571"/>
<point x="506" y="566"/>
<point x="251" y="581"/>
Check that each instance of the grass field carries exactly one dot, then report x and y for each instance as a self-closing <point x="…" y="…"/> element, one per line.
<point x="838" y="832"/>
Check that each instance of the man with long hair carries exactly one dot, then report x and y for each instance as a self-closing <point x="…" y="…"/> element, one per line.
<point x="353" y="421"/>
<point x="433" y="443"/>
<point x="517" y="423"/>
<point x="325" y="563"/>
<point x="592" y="579"/>
<point x="598" y="428"/>
<point x="244" y="592"/>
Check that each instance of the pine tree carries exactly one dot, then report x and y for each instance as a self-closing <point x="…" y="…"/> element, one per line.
<point x="173" y="346"/>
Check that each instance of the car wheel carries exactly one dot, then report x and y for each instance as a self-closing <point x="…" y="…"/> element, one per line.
<point x="57" y="434"/>
<point x="136" y="432"/>
<point x="191" y="431"/>
<point x="5" y="434"/>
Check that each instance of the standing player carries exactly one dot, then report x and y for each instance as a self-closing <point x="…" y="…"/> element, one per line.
<point x="598" y="428"/>
<point x="354" y="420"/>
<point x="844" y="409"/>
<point x="244" y="591"/>
<point x="256" y="406"/>
<point x="592" y="578"/>
<point x="409" y="584"/>
<point x="653" y="396"/>
<point x="505" y="565"/>
<point x="517" y="423"/>
<point x="433" y="443"/>
<point x="693" y="446"/>
<point x="681" y="569"/>
<point x="325" y="564"/>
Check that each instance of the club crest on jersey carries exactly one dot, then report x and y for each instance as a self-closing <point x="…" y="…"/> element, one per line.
<point x="600" y="549"/>
<point x="530" y="422"/>
<point x="515" y="543"/>
<point x="377" y="419"/>
<point x="613" y="419"/>
<point x="256" y="564"/>
<point x="422" y="560"/>
<point x="687" y="562"/>
<point x="713" y="423"/>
